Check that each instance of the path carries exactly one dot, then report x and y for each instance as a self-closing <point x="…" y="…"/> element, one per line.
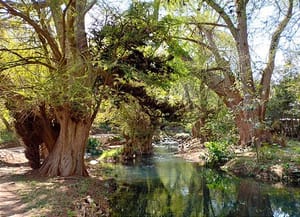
<point x="12" y="162"/>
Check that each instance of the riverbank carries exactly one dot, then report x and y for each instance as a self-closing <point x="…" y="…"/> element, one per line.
<point x="271" y="164"/>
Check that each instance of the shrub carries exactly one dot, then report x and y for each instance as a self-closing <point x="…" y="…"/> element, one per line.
<point x="221" y="127"/>
<point x="6" y="136"/>
<point x="218" y="153"/>
<point x="93" y="146"/>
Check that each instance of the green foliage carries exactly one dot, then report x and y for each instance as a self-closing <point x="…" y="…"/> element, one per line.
<point x="133" y="121"/>
<point x="93" y="146"/>
<point x="6" y="136"/>
<point x="218" y="153"/>
<point x="283" y="102"/>
<point x="267" y="153"/>
<point x="111" y="154"/>
<point x="294" y="146"/>
<point x="221" y="125"/>
<point x="105" y="126"/>
<point x="132" y="45"/>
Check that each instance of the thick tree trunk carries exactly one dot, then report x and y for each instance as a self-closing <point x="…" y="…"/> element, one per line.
<point x="67" y="156"/>
<point x="26" y="127"/>
<point x="35" y="130"/>
<point x="145" y="145"/>
<point x="245" y="128"/>
<point x="251" y="128"/>
<point x="137" y="146"/>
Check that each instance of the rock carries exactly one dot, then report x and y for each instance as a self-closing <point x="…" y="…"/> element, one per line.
<point x="182" y="136"/>
<point x="94" y="162"/>
<point x="277" y="170"/>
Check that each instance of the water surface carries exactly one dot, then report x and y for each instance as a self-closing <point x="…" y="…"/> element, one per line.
<point x="166" y="186"/>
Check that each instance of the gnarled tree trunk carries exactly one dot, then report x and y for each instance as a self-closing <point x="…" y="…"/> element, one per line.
<point x="35" y="130"/>
<point x="67" y="156"/>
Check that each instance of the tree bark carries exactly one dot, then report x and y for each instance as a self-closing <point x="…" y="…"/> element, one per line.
<point x="245" y="128"/>
<point x="146" y="147"/>
<point x="35" y="130"/>
<point x="67" y="156"/>
<point x="26" y="127"/>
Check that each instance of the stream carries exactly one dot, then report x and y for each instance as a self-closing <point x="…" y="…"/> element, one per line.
<point x="166" y="186"/>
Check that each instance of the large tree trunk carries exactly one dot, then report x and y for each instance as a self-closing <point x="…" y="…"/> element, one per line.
<point x="245" y="127"/>
<point x="67" y="156"/>
<point x="251" y="128"/>
<point x="145" y="145"/>
<point x="34" y="131"/>
<point x="26" y="127"/>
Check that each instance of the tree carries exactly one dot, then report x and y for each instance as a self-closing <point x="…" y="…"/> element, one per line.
<point x="128" y="45"/>
<point x="283" y="103"/>
<point x="53" y="79"/>
<point x="53" y="46"/>
<point x="221" y="30"/>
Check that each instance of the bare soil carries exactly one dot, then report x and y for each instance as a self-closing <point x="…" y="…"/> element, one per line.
<point x="12" y="162"/>
<point x="24" y="193"/>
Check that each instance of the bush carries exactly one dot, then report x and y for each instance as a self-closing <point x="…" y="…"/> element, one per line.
<point x="93" y="146"/>
<point x="218" y="153"/>
<point x="6" y="136"/>
<point x="221" y="127"/>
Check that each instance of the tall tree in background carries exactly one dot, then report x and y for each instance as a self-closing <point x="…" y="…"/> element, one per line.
<point x="221" y="31"/>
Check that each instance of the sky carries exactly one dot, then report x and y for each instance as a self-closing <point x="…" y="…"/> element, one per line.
<point x="259" y="42"/>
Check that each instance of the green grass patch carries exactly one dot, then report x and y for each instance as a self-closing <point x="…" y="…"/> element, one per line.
<point x="293" y="146"/>
<point x="111" y="154"/>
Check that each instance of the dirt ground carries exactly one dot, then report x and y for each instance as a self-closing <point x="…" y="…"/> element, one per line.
<point x="12" y="162"/>
<point x="23" y="193"/>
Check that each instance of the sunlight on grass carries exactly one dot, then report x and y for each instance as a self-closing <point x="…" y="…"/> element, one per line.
<point x="114" y="153"/>
<point x="294" y="146"/>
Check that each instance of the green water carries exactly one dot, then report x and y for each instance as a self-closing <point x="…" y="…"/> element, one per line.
<point x="165" y="186"/>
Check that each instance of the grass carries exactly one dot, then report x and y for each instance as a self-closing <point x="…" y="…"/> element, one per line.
<point x="274" y="163"/>
<point x="293" y="146"/>
<point x="111" y="154"/>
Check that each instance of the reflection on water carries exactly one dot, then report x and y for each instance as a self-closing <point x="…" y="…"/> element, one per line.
<point x="164" y="186"/>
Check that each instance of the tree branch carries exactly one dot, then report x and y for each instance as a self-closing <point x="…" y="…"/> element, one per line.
<point x="224" y="16"/>
<point x="23" y="63"/>
<point x="23" y="60"/>
<point x="194" y="41"/>
<point x="207" y="24"/>
<point x="41" y="32"/>
<point x="268" y="71"/>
